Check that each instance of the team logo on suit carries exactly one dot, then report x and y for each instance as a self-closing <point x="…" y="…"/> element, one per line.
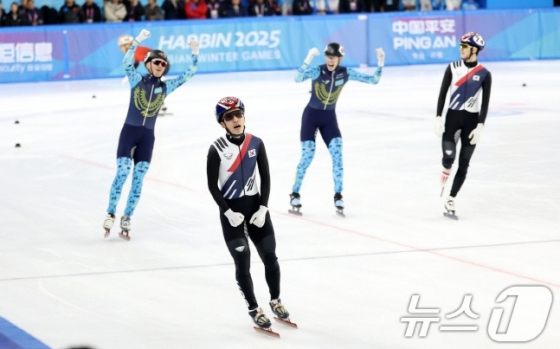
<point x="252" y="153"/>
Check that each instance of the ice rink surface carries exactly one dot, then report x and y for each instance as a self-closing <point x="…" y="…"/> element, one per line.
<point x="347" y="282"/>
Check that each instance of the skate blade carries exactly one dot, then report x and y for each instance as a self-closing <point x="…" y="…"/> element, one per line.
<point x="268" y="332"/>
<point x="340" y="213"/>
<point x="286" y="322"/>
<point x="107" y="233"/>
<point x="295" y="211"/>
<point x="124" y="236"/>
<point x="451" y="216"/>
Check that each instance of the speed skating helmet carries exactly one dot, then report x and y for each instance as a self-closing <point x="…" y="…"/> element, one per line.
<point x="473" y="39"/>
<point x="227" y="103"/>
<point x="334" y="49"/>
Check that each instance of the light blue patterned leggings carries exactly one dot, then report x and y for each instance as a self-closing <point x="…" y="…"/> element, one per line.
<point x="307" y="154"/>
<point x="123" y="169"/>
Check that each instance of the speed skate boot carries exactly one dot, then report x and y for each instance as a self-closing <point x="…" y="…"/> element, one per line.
<point x="339" y="204"/>
<point x="282" y="315"/>
<point x="295" y="202"/>
<point x="125" y="227"/>
<point x="450" y="208"/>
<point x="262" y="323"/>
<point x="108" y="223"/>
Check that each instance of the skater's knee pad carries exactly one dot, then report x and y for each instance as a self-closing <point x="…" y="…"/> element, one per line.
<point x="239" y="250"/>
<point x="449" y="153"/>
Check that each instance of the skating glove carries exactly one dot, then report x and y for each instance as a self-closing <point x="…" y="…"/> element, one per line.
<point x="235" y="218"/>
<point x="440" y="127"/>
<point x="144" y="34"/>
<point x="312" y="53"/>
<point x="380" y="57"/>
<point x="195" y="46"/>
<point x="476" y="134"/>
<point x="259" y="217"/>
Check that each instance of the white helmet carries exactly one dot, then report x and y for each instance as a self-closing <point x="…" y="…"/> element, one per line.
<point x="125" y="40"/>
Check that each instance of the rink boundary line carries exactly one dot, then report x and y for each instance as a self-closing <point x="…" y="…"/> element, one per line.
<point x="417" y="249"/>
<point x="283" y="260"/>
<point x="355" y="232"/>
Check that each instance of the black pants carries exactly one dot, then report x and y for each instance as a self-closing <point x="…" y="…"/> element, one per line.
<point x="458" y="126"/>
<point x="238" y="245"/>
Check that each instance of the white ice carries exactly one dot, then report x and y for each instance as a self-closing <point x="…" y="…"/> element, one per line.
<point x="347" y="282"/>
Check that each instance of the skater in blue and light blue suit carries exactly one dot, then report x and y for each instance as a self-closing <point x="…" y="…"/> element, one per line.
<point x="136" y="142"/>
<point x="319" y="114"/>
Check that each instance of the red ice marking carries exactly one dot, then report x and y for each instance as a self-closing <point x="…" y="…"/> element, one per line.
<point x="414" y="248"/>
<point x="469" y="75"/>
<point x="113" y="168"/>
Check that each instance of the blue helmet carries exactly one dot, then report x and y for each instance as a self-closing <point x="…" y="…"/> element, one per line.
<point x="228" y="103"/>
<point x="473" y="39"/>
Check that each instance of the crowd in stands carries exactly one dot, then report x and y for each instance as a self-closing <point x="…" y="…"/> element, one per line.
<point x="25" y="13"/>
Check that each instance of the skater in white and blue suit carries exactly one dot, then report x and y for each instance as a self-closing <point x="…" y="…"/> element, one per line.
<point x="136" y="141"/>
<point x="320" y="115"/>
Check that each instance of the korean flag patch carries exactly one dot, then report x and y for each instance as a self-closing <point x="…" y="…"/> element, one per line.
<point x="252" y="153"/>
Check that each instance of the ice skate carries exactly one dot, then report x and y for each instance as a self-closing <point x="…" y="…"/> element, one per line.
<point x="262" y="322"/>
<point x="450" y="208"/>
<point x="282" y="315"/>
<point x="295" y="202"/>
<point x="339" y="204"/>
<point x="108" y="223"/>
<point x="125" y="228"/>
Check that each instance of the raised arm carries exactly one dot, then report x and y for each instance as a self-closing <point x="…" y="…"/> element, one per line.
<point x="128" y="61"/>
<point x="303" y="72"/>
<point x="369" y="79"/>
<point x="173" y="84"/>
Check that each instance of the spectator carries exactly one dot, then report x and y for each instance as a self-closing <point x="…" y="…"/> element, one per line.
<point x="259" y="9"/>
<point x="174" y="9"/>
<point x="14" y="18"/>
<point x="2" y="15"/>
<point x="33" y="16"/>
<point x="153" y="11"/>
<point x="235" y="9"/>
<point x="386" y="5"/>
<point x="301" y="7"/>
<point x="92" y="12"/>
<point x="196" y="9"/>
<point x="323" y="7"/>
<point x="452" y="5"/>
<point x="216" y="9"/>
<point x="437" y="5"/>
<point x="22" y="7"/>
<point x="70" y="13"/>
<point x="409" y="5"/>
<point x="276" y="9"/>
<point x="134" y="11"/>
<point x="470" y="5"/>
<point x="351" y="6"/>
<point x="50" y="15"/>
<point x="377" y="5"/>
<point x="426" y="5"/>
<point x="115" y="11"/>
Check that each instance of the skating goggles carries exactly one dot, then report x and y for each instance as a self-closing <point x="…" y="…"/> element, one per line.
<point x="236" y="113"/>
<point x="159" y="62"/>
<point x="465" y="46"/>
